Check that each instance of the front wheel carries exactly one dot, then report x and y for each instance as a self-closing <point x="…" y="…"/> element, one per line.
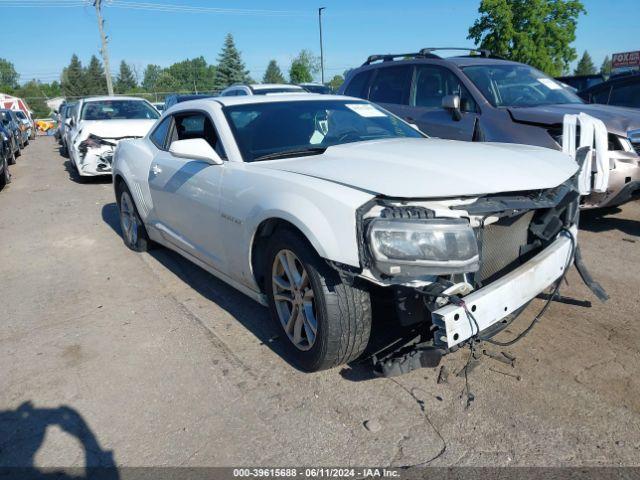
<point x="134" y="233"/>
<point x="326" y="321"/>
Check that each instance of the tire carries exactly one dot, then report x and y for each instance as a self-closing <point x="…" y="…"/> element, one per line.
<point x="134" y="234"/>
<point x="5" y="176"/>
<point x="12" y="158"/>
<point x="63" y="150"/>
<point x="341" y="312"/>
<point x="18" y="152"/>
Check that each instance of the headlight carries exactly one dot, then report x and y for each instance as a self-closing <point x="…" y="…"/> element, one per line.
<point x="425" y="247"/>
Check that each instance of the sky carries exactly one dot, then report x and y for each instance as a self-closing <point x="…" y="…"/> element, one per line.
<point x="46" y="33"/>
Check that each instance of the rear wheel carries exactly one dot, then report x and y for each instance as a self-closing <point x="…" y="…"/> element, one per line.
<point x="326" y="321"/>
<point x="12" y="158"/>
<point x="134" y="233"/>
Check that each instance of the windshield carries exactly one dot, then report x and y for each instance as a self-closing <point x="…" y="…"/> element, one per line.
<point x="118" y="110"/>
<point x="317" y="89"/>
<point x="21" y="115"/>
<point x="269" y="129"/>
<point x="518" y="86"/>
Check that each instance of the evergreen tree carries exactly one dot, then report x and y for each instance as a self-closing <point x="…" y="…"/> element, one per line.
<point x="605" y="69"/>
<point x="230" y="67"/>
<point x="8" y="75"/>
<point x="585" y="65"/>
<point x="273" y="74"/>
<point x="126" y="80"/>
<point x="96" y="83"/>
<point x="73" y="79"/>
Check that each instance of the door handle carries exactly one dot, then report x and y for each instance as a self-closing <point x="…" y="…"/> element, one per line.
<point x="155" y="169"/>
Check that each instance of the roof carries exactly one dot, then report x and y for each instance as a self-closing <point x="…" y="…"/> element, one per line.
<point x="265" y="86"/>
<point x="293" y="97"/>
<point x="106" y="97"/>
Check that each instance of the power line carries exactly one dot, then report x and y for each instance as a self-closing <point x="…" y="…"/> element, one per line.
<point x="165" y="7"/>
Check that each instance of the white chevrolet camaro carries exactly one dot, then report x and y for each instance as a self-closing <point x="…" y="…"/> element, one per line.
<point x="314" y="204"/>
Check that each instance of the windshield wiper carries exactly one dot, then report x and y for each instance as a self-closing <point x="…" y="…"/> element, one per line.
<point x="292" y="153"/>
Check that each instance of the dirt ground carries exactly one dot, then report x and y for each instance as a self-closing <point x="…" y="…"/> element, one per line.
<point x="113" y="357"/>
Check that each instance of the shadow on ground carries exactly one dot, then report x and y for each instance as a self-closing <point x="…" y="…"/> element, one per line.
<point x="23" y="432"/>
<point x="602" y="220"/>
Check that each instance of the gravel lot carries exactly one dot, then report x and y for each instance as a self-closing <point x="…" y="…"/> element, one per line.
<point x="145" y="359"/>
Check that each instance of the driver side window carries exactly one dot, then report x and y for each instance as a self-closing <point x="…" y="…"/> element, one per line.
<point x="196" y="125"/>
<point x="431" y="84"/>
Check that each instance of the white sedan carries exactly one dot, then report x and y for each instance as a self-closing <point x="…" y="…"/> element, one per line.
<point x="313" y="204"/>
<point x="96" y="126"/>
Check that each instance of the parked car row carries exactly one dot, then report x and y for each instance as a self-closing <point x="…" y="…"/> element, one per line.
<point x="318" y="205"/>
<point x="16" y="131"/>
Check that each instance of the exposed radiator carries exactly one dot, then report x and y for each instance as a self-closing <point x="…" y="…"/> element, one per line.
<point x="501" y="242"/>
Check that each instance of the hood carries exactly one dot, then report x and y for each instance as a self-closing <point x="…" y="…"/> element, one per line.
<point x="116" y="128"/>
<point x="434" y="168"/>
<point x="619" y="120"/>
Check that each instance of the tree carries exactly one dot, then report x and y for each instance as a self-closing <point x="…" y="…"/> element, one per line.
<point x="536" y="32"/>
<point x="273" y="74"/>
<point x="336" y="82"/>
<point x="193" y="75"/>
<point x="230" y="68"/>
<point x="303" y="67"/>
<point x="96" y="82"/>
<point x="33" y="93"/>
<point x="585" y="65"/>
<point x="126" y="81"/>
<point x="8" y="75"/>
<point x="605" y="69"/>
<point x="73" y="79"/>
<point x="151" y="76"/>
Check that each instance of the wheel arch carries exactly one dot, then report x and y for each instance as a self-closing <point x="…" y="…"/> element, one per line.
<point x="265" y="229"/>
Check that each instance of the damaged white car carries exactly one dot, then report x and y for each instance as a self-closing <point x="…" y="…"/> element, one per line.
<point x="314" y="205"/>
<point x="99" y="124"/>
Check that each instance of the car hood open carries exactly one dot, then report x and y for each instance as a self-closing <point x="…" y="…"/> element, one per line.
<point x="116" y="128"/>
<point x="618" y="120"/>
<point x="433" y="168"/>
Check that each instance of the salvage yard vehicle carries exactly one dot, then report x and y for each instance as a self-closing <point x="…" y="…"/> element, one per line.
<point x="9" y="122"/>
<point x="6" y="154"/>
<point x="10" y="138"/>
<point x="25" y="125"/>
<point x="620" y="91"/>
<point x="481" y="97"/>
<point x="97" y="127"/>
<point x="311" y="204"/>
<point x="241" y="90"/>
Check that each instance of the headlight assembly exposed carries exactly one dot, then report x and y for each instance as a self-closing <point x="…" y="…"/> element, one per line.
<point x="427" y="247"/>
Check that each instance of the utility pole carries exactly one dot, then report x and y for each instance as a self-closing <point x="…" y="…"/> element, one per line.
<point x="321" y="47"/>
<point x="104" y="51"/>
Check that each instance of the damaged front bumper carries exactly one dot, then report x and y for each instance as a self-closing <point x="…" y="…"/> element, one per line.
<point x="491" y="304"/>
<point x="95" y="156"/>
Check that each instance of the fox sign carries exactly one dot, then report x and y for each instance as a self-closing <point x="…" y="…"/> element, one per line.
<point x="625" y="59"/>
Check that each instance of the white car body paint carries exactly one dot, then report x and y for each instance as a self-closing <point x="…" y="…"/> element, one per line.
<point x="97" y="161"/>
<point x="210" y="213"/>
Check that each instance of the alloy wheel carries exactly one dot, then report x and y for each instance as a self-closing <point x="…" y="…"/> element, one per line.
<point x="294" y="299"/>
<point x="128" y="219"/>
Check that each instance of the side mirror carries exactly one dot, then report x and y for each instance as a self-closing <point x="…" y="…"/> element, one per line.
<point x="452" y="104"/>
<point x="195" y="149"/>
<point x="69" y="122"/>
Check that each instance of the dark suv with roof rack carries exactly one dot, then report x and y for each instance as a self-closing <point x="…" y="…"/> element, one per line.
<point x="481" y="97"/>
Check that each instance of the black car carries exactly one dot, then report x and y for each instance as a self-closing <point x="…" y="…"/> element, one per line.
<point x="623" y="91"/>
<point x="10" y="123"/>
<point x="581" y="82"/>
<point x="6" y="157"/>
<point x="175" y="98"/>
<point x="482" y="97"/>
